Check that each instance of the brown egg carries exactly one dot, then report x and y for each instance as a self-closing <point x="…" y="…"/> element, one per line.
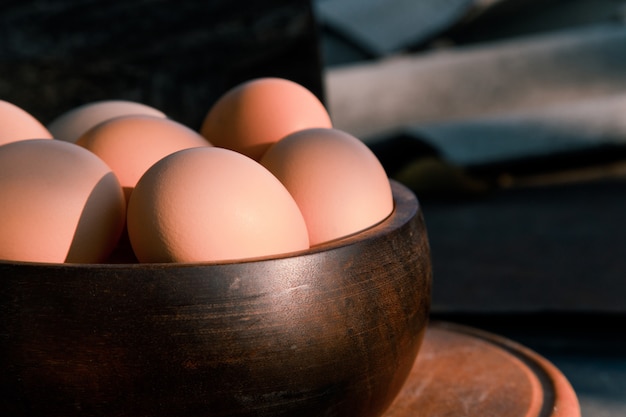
<point x="17" y="124"/>
<point x="72" y="124"/>
<point x="255" y="114"/>
<point x="337" y="181"/>
<point x="212" y="204"/>
<point x="131" y="144"/>
<point x="60" y="203"/>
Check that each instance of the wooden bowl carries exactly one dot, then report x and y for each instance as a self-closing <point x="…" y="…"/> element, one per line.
<point x="331" y="331"/>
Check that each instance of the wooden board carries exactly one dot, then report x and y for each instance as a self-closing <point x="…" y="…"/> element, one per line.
<point x="463" y="371"/>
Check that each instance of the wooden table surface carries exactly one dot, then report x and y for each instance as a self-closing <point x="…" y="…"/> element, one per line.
<point x="463" y="371"/>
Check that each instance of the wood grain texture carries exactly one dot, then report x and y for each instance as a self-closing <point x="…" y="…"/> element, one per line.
<point x="464" y="371"/>
<point x="332" y="331"/>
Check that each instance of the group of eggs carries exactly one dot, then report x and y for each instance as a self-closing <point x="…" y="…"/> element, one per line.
<point x="266" y="174"/>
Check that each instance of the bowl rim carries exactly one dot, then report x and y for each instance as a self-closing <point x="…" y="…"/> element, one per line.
<point x="405" y="207"/>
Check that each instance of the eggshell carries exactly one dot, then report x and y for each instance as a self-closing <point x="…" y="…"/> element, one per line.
<point x="70" y="125"/>
<point x="131" y="144"/>
<point x="253" y="115"/>
<point x="212" y="204"/>
<point x="339" y="184"/>
<point x="60" y="203"/>
<point x="17" y="124"/>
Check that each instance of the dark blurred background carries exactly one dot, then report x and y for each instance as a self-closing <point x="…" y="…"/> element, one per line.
<point x="177" y="56"/>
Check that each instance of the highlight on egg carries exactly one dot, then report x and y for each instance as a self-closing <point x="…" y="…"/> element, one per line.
<point x="18" y="124"/>
<point x="255" y="114"/>
<point x="70" y="125"/>
<point x="339" y="184"/>
<point x="212" y="204"/>
<point x="132" y="144"/>
<point x="60" y="203"/>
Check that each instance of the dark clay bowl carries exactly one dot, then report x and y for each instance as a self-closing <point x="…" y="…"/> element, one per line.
<point x="332" y="331"/>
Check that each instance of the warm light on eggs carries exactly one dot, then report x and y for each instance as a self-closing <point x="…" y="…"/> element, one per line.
<point x="212" y="204"/>
<point x="266" y="175"/>
<point x="60" y="203"/>
<point x="255" y="114"/>
<point x="132" y="144"/>
<point x="337" y="181"/>
<point x="17" y="124"/>
<point x="71" y="125"/>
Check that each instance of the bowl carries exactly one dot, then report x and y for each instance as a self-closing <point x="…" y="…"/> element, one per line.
<point x="331" y="331"/>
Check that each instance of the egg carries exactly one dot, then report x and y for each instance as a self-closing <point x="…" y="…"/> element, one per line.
<point x="253" y="115"/>
<point x="17" y="124"/>
<point x="212" y="204"/>
<point x="339" y="184"/>
<point x="60" y="203"/>
<point x="70" y="125"/>
<point x="131" y="144"/>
